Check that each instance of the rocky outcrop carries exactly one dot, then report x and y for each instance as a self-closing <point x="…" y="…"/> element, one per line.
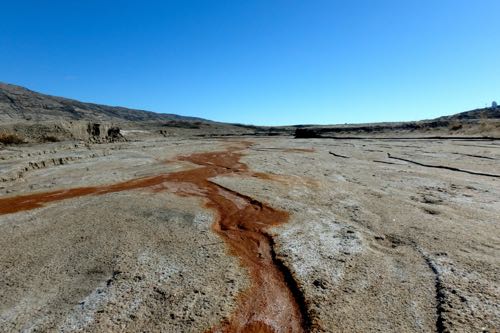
<point x="65" y="130"/>
<point x="103" y="133"/>
<point x="20" y="172"/>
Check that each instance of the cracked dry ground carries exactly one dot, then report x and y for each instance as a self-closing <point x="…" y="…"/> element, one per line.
<point x="272" y="235"/>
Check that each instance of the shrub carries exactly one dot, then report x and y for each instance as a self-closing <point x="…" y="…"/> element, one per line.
<point x="455" y="125"/>
<point x="49" y="138"/>
<point x="10" y="138"/>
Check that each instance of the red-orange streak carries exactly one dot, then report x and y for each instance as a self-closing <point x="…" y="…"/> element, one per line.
<point x="268" y="305"/>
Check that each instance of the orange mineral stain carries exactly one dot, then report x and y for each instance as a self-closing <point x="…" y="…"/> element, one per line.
<point x="270" y="304"/>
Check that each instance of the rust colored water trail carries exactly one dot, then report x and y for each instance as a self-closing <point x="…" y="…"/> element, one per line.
<point x="272" y="303"/>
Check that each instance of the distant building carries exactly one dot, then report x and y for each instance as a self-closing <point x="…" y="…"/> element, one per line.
<point x="494" y="105"/>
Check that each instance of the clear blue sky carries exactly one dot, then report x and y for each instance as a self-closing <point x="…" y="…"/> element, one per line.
<point x="260" y="61"/>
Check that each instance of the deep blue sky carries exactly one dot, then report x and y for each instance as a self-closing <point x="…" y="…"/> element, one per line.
<point x="260" y="61"/>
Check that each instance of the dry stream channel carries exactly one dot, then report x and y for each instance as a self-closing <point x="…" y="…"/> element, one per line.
<point x="273" y="302"/>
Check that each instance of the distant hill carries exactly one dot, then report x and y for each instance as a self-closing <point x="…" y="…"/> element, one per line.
<point x="21" y="104"/>
<point x="478" y="123"/>
<point x="484" y="113"/>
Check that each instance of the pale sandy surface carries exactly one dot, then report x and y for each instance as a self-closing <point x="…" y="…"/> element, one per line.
<point x="374" y="243"/>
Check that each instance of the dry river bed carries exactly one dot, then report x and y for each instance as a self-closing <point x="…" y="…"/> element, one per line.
<point x="251" y="235"/>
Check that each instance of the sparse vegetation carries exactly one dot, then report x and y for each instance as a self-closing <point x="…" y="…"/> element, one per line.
<point x="455" y="125"/>
<point x="183" y="124"/>
<point x="485" y="124"/>
<point x="10" y="138"/>
<point x="50" y="138"/>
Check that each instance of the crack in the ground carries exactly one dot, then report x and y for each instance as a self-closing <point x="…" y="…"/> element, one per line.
<point x="385" y="162"/>
<point x="440" y="294"/>
<point x="444" y="167"/>
<point x="476" y="156"/>
<point x="292" y="284"/>
<point x="280" y="265"/>
<point x="337" y="155"/>
<point x="250" y="200"/>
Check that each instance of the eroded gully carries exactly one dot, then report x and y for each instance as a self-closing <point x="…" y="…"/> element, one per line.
<point x="273" y="302"/>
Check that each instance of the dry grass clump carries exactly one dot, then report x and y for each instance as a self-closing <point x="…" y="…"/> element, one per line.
<point x="492" y="127"/>
<point x="455" y="125"/>
<point x="10" y="138"/>
<point x="49" y="138"/>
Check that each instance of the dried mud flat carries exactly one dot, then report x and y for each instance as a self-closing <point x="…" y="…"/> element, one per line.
<point x="265" y="235"/>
